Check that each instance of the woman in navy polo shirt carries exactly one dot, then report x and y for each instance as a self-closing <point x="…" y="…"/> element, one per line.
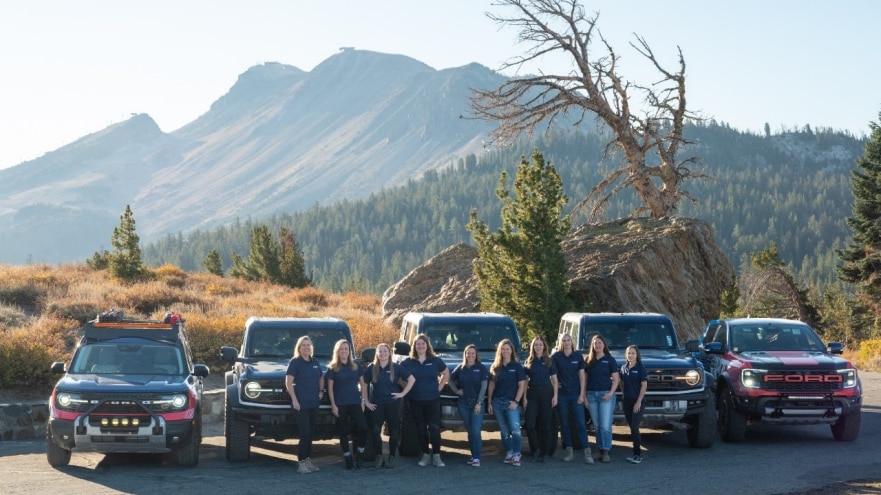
<point x="347" y="393"/>
<point x="424" y="399"/>
<point x="304" y="382"/>
<point x="541" y="397"/>
<point x="506" y="388"/>
<point x="468" y="381"/>
<point x="570" y="401"/>
<point x="634" y="383"/>
<point x="602" y="382"/>
<point x="385" y="401"/>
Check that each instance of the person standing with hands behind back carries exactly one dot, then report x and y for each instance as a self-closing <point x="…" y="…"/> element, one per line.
<point x="347" y="393"/>
<point x="571" y="402"/>
<point x="541" y="398"/>
<point x="424" y="399"/>
<point x="304" y="382"/>
<point x="468" y="381"/>
<point x="602" y="382"/>
<point x="634" y="383"/>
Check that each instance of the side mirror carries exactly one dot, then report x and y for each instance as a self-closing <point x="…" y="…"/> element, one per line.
<point x="58" y="367"/>
<point x="693" y="345"/>
<point x="713" y="348"/>
<point x="834" y="348"/>
<point x="402" y="348"/>
<point x="367" y="355"/>
<point x="229" y="354"/>
<point x="200" y="370"/>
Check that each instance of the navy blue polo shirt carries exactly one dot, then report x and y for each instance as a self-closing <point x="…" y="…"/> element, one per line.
<point x="599" y="376"/>
<point x="508" y="380"/>
<point x="631" y="380"/>
<point x="469" y="379"/>
<point x="539" y="373"/>
<point x="306" y="376"/>
<point x="426" y="374"/>
<point x="567" y="372"/>
<point x="384" y="387"/>
<point x="345" y="385"/>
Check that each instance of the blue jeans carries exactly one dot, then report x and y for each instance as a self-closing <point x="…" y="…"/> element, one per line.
<point x="509" y="425"/>
<point x="601" y="413"/>
<point x="568" y="405"/>
<point x="473" y="425"/>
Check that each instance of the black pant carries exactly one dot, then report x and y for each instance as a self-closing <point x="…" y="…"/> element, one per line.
<point x="349" y="414"/>
<point x="306" y="419"/>
<point x="391" y="413"/>
<point x="427" y="415"/>
<point x="634" y="419"/>
<point x="538" y="416"/>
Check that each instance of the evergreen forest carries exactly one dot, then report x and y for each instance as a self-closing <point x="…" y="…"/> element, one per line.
<point x="791" y="188"/>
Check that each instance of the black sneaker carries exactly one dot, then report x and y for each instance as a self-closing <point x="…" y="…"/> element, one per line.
<point x="634" y="459"/>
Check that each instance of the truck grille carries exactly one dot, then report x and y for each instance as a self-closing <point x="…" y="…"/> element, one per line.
<point x="668" y="380"/>
<point x="802" y="381"/>
<point x="120" y="403"/>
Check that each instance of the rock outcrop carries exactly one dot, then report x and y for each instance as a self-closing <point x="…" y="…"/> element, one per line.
<point x="671" y="266"/>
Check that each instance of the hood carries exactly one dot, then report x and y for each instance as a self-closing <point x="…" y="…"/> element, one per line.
<point x="268" y="370"/>
<point x="659" y="358"/>
<point x="123" y="383"/>
<point x="792" y="359"/>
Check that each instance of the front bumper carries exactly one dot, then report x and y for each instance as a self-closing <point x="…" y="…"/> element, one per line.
<point x="157" y="437"/>
<point x="798" y="409"/>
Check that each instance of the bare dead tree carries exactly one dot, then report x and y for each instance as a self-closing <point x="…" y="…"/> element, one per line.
<point x="593" y="88"/>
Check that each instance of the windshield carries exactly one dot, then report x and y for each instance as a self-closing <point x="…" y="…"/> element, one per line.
<point x="645" y="335"/>
<point x="115" y="357"/>
<point x="798" y="337"/>
<point x="447" y="337"/>
<point x="280" y="342"/>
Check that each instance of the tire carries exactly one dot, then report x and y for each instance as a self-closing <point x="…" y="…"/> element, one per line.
<point x="732" y="423"/>
<point x="702" y="433"/>
<point x="847" y="428"/>
<point x="57" y="456"/>
<point x="189" y="455"/>
<point x="238" y="436"/>
<point x="408" y="446"/>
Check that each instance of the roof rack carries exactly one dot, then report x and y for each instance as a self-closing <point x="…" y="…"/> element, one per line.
<point x="147" y="329"/>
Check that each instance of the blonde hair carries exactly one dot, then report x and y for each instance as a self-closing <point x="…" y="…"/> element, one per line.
<point x="304" y="338"/>
<point x="497" y="362"/>
<point x="429" y="350"/>
<point x="335" y="363"/>
<point x="377" y="365"/>
<point x="465" y="353"/>
<point x="545" y="358"/>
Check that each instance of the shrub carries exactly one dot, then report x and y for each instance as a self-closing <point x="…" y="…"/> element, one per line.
<point x="869" y="355"/>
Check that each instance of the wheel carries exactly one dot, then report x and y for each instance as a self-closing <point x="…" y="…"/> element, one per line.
<point x="702" y="433"/>
<point x="732" y="423"/>
<point x="408" y="446"/>
<point x="847" y="428"/>
<point x="57" y="456"/>
<point x="189" y="455"/>
<point x="238" y="436"/>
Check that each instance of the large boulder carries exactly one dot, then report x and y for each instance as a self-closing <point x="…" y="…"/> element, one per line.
<point x="671" y="266"/>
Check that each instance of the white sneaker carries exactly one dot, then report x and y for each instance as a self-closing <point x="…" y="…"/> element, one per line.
<point x="426" y="459"/>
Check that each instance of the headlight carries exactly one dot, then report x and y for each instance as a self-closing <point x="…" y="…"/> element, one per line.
<point x="68" y="401"/>
<point x="174" y="402"/>
<point x="751" y="378"/>
<point x="850" y="378"/>
<point x="252" y="390"/>
<point x="693" y="377"/>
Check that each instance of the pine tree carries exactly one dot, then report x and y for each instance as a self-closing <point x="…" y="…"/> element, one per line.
<point x="125" y="262"/>
<point x="293" y="267"/>
<point x="862" y="257"/>
<point x="213" y="263"/>
<point x="520" y="268"/>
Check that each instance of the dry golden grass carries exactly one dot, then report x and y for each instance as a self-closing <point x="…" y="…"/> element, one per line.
<point x="42" y="307"/>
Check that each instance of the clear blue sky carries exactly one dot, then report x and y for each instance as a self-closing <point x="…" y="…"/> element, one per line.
<point x="70" y="68"/>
